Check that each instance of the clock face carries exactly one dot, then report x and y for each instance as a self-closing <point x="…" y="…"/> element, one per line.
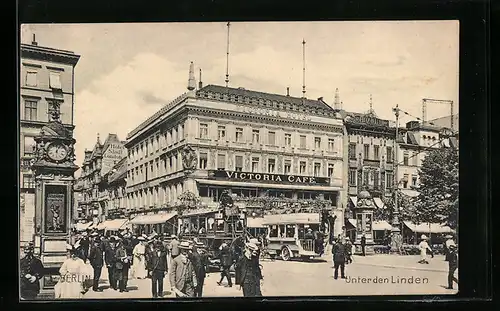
<point x="57" y="152"/>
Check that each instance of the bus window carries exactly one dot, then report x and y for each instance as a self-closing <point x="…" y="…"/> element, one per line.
<point x="302" y="232"/>
<point x="239" y="225"/>
<point x="220" y="225"/>
<point x="290" y="231"/>
<point x="273" y="232"/>
<point x="282" y="231"/>
<point x="210" y="223"/>
<point x="203" y="223"/>
<point x="229" y="227"/>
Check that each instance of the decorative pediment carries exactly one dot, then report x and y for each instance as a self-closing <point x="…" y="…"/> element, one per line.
<point x="55" y="130"/>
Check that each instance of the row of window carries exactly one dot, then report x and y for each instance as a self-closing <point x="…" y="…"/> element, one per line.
<point x="31" y="109"/>
<point x="157" y="168"/>
<point x="32" y="79"/>
<point x="272" y="137"/>
<point x="373" y="178"/>
<point x="156" y="143"/>
<point x="367" y="155"/>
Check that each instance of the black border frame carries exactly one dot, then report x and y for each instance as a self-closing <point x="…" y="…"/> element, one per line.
<point x="475" y="140"/>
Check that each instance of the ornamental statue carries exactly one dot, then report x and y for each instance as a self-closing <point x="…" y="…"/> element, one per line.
<point x="189" y="158"/>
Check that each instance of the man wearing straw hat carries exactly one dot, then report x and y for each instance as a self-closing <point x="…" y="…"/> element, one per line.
<point x="423" y="247"/>
<point x="446" y="246"/>
<point x="182" y="275"/>
<point x="250" y="272"/>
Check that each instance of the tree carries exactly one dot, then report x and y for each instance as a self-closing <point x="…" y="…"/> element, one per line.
<point x="437" y="201"/>
<point x="405" y="207"/>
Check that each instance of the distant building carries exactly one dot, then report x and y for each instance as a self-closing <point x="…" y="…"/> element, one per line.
<point x="445" y="122"/>
<point x="414" y="142"/>
<point x="92" y="183"/>
<point x="46" y="77"/>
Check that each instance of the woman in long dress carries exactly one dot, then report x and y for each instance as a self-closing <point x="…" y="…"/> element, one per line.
<point x="73" y="273"/>
<point x="139" y="265"/>
<point x="423" y="247"/>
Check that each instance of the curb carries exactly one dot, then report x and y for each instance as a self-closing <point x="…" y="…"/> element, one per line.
<point x="402" y="267"/>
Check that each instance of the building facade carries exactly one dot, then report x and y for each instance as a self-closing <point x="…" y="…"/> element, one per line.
<point x="369" y="157"/>
<point x="252" y="143"/>
<point x="415" y="141"/>
<point x="93" y="181"/>
<point x="46" y="82"/>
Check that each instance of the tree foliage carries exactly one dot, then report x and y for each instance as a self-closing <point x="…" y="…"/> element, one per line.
<point x="189" y="200"/>
<point x="405" y="207"/>
<point x="437" y="201"/>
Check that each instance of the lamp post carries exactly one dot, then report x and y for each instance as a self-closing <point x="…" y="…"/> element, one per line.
<point x="396" y="239"/>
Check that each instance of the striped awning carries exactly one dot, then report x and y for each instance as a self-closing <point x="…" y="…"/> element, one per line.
<point x="82" y="226"/>
<point x="428" y="228"/>
<point x="379" y="203"/>
<point x="381" y="225"/>
<point x="152" y="219"/>
<point x="113" y="224"/>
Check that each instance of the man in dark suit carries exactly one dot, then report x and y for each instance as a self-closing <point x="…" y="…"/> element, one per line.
<point x="452" y="264"/>
<point x="32" y="271"/>
<point x="339" y="257"/>
<point x="200" y="263"/>
<point x="96" y="258"/>
<point x="110" y="258"/>
<point x="129" y="249"/>
<point x="363" y="245"/>
<point x="250" y="272"/>
<point x="226" y="261"/>
<point x="157" y="264"/>
<point x="122" y="265"/>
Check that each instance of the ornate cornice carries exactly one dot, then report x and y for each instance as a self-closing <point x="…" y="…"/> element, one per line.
<point x="233" y="115"/>
<point x="49" y="54"/>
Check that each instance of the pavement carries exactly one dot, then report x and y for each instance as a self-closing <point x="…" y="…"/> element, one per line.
<point x="370" y="275"/>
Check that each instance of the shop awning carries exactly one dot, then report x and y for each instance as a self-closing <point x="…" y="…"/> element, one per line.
<point x="257" y="222"/>
<point x="83" y="226"/>
<point x="152" y="219"/>
<point x="381" y="225"/>
<point x="428" y="228"/>
<point x="354" y="200"/>
<point x="200" y="212"/>
<point x="113" y="224"/>
<point x="296" y="218"/>
<point x="379" y="203"/>
<point x="410" y="192"/>
<point x="263" y="185"/>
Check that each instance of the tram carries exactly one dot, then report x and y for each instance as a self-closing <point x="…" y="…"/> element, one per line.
<point x="214" y="226"/>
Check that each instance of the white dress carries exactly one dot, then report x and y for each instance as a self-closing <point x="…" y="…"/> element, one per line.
<point x="139" y="265"/>
<point x="73" y="274"/>
<point x="423" y="246"/>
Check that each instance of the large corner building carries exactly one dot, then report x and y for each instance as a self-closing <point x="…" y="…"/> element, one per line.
<point x="254" y="144"/>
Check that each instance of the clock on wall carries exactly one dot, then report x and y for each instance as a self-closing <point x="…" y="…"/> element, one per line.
<point x="57" y="152"/>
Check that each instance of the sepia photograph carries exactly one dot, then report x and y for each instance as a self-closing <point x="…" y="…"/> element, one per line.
<point x="238" y="159"/>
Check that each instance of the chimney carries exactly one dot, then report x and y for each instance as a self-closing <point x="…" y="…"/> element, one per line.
<point x="287" y="91"/>
<point x="33" y="42"/>
<point x="200" y="84"/>
<point x="191" y="80"/>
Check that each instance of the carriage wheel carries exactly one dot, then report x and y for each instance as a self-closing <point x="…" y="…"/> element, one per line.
<point x="285" y="254"/>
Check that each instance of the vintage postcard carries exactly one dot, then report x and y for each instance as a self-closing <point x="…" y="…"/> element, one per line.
<point x="238" y="159"/>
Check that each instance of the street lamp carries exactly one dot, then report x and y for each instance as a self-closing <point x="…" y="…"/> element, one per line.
<point x="396" y="239"/>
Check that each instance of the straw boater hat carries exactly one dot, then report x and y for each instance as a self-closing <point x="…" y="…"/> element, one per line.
<point x="252" y="246"/>
<point x="94" y="234"/>
<point x="173" y="236"/>
<point x="184" y="245"/>
<point x="254" y="241"/>
<point x="423" y="237"/>
<point x="452" y="244"/>
<point x="449" y="236"/>
<point x="84" y="233"/>
<point x="141" y="238"/>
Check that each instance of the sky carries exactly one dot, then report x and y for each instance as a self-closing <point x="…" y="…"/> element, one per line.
<point x="129" y="71"/>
